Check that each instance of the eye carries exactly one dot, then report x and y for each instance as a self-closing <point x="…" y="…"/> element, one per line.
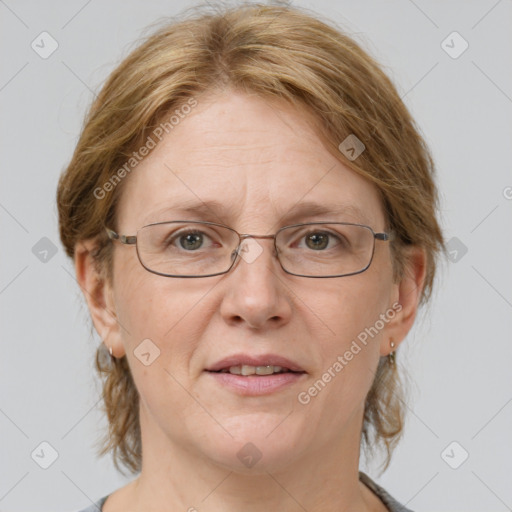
<point x="321" y="240"/>
<point x="317" y="241"/>
<point x="189" y="240"/>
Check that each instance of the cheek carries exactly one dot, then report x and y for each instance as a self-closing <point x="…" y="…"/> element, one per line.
<point x="347" y="307"/>
<point x="349" y="311"/>
<point x="154" y="312"/>
<point x="159" y="341"/>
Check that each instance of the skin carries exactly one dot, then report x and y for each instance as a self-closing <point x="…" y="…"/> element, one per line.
<point x="259" y="158"/>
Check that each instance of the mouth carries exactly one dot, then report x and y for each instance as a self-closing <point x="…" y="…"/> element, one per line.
<point x="246" y="370"/>
<point x="258" y="375"/>
<point x="250" y="383"/>
<point x="246" y="365"/>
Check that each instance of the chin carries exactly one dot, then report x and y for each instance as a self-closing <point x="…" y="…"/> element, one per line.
<point x="257" y="446"/>
<point x="249" y="459"/>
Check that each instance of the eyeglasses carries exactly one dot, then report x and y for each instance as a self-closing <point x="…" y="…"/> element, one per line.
<point x="188" y="248"/>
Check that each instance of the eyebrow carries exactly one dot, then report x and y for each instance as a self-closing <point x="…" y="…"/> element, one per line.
<point x="213" y="209"/>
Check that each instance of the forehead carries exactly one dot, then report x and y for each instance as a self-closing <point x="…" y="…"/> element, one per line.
<point x="242" y="159"/>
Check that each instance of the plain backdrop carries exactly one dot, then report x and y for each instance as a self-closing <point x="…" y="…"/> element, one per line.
<point x="457" y="448"/>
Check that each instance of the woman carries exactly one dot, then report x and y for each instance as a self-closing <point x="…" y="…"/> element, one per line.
<point x="252" y="216"/>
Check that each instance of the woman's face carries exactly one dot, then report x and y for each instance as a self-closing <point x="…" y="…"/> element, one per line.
<point x="260" y="161"/>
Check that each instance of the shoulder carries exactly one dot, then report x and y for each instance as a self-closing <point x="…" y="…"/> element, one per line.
<point x="388" y="500"/>
<point x="97" y="506"/>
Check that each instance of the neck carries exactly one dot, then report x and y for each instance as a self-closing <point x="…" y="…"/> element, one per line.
<point x="179" y="478"/>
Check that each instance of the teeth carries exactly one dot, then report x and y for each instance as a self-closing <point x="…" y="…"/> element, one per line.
<point x="254" y="370"/>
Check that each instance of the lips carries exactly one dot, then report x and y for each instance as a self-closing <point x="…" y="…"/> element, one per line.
<point x="260" y="360"/>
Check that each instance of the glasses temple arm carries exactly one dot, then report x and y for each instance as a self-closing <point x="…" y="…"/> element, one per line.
<point x="129" y="240"/>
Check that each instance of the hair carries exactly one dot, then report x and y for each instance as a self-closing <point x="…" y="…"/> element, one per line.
<point x="276" y="52"/>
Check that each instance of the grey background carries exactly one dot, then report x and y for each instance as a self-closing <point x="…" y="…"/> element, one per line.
<point x="458" y="354"/>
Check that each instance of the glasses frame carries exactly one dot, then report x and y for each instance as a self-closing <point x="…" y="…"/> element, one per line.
<point x="132" y="240"/>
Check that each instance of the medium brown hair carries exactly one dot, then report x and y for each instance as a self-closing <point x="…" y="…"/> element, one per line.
<point x="277" y="52"/>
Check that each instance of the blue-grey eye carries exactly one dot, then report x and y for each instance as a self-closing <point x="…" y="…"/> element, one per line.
<point x="191" y="241"/>
<point x="317" y="241"/>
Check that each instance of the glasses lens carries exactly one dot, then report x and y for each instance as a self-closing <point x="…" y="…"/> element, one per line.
<point x="321" y="250"/>
<point x="186" y="248"/>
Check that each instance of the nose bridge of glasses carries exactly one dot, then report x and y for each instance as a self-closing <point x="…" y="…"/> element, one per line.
<point x="249" y="251"/>
<point x="244" y="236"/>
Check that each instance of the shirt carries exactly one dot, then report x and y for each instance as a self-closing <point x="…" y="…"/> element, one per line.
<point x="389" y="501"/>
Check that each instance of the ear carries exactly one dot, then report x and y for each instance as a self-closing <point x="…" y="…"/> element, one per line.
<point x="99" y="296"/>
<point x="406" y="297"/>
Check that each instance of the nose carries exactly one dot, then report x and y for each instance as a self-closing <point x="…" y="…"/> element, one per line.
<point x="256" y="294"/>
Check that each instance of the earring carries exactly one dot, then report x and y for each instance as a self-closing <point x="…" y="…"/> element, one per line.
<point x="103" y="350"/>
<point x="391" y="355"/>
